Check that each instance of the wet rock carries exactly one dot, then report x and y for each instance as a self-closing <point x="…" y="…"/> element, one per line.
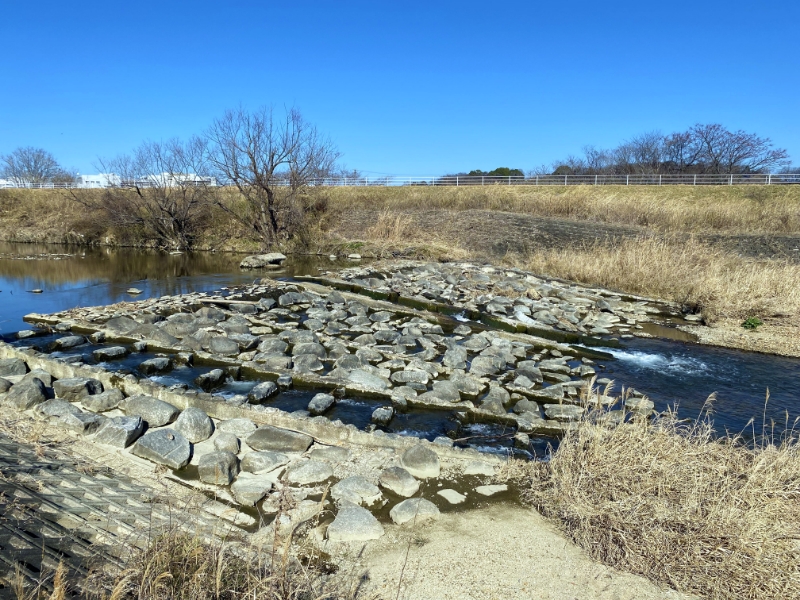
<point x="238" y="427"/>
<point x="218" y="468"/>
<point x="214" y="378"/>
<point x="69" y="341"/>
<point x="26" y="394"/>
<point x="452" y="496"/>
<point x="120" y="432"/>
<point x="165" y="447"/>
<point x="522" y="440"/>
<point x="320" y="404"/>
<point x="110" y="353"/>
<point x="194" y="424"/>
<point x="356" y="489"/>
<point x="75" y="389"/>
<point x="421" y="462"/>
<point x="262" y="462"/>
<point x="285" y="382"/>
<point x="490" y="490"/>
<point x="414" y="510"/>
<point x="156" y="365"/>
<point x="248" y="491"/>
<point x="263" y="391"/>
<point x="12" y="366"/>
<point x="268" y="437"/>
<point x="354" y="524"/>
<point x="309" y="472"/>
<point x="155" y="412"/>
<point x="399" y="481"/>
<point x="261" y="261"/>
<point x="383" y="415"/>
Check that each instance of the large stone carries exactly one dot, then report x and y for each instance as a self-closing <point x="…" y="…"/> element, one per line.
<point x="309" y="472"/>
<point x="26" y="394"/>
<point x="12" y="366"/>
<point x="264" y="461"/>
<point x="563" y="412"/>
<point x="455" y="358"/>
<point x="75" y="389"/>
<point x="446" y="390"/>
<point x="214" y="378"/>
<point x="261" y="261"/>
<point x="356" y="489"/>
<point x="165" y="447"/>
<point x="227" y="442"/>
<point x="223" y="345"/>
<point x="354" y="524"/>
<point x="491" y="490"/>
<point x="5" y="385"/>
<point x="320" y="404"/>
<point x="268" y="437"/>
<point x="399" y="481"/>
<point x="46" y="378"/>
<point x="81" y="423"/>
<point x="411" y="376"/>
<point x="120" y="431"/>
<point x="331" y="454"/>
<point x="468" y="385"/>
<point x="421" y="462"/>
<point x="263" y="391"/>
<point x="155" y="412"/>
<point x="303" y="363"/>
<point x="452" y="496"/>
<point x="367" y="380"/>
<point x="239" y="427"/>
<point x="194" y="424"/>
<point x="154" y="366"/>
<point x="218" y="468"/>
<point x="383" y="416"/>
<point x="248" y="490"/>
<point x="108" y="400"/>
<point x="414" y="510"/>
<point x="69" y="341"/>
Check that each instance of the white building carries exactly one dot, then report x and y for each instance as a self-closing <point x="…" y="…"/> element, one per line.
<point x="5" y="183"/>
<point x="100" y="180"/>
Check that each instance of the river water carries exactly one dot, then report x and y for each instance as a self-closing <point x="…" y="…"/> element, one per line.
<point x="671" y="373"/>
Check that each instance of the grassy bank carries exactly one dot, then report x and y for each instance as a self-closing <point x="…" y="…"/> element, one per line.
<point x="668" y="501"/>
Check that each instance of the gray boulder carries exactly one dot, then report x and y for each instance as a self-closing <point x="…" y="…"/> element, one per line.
<point x="383" y="416"/>
<point x="46" y="378"/>
<point x="81" y="423"/>
<point x="120" y="431"/>
<point x="108" y="400"/>
<point x="223" y="346"/>
<point x="227" y="442"/>
<point x="155" y="412"/>
<point x="194" y="424"/>
<point x="399" y="481"/>
<point x="165" y="447"/>
<point x="248" y="491"/>
<point x="563" y="412"/>
<point x="263" y="391"/>
<point x="262" y="462"/>
<point x="69" y="341"/>
<point x="212" y="379"/>
<point x="421" y="462"/>
<point x="320" y="404"/>
<point x="268" y="437"/>
<point x="455" y="358"/>
<point x="367" y="380"/>
<point x="75" y="389"/>
<point x="26" y="394"/>
<point x="156" y="365"/>
<point x="5" y="385"/>
<point x="239" y="427"/>
<point x="356" y="489"/>
<point x="309" y="472"/>
<point x="218" y="468"/>
<point x="55" y="408"/>
<point x="261" y="261"/>
<point x="331" y="454"/>
<point x="354" y="524"/>
<point x="446" y="390"/>
<point x="414" y="510"/>
<point x="12" y="366"/>
<point x="303" y="363"/>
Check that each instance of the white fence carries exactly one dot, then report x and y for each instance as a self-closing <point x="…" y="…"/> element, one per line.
<point x="559" y="180"/>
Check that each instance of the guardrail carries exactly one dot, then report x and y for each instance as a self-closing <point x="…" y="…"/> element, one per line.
<point x="557" y="180"/>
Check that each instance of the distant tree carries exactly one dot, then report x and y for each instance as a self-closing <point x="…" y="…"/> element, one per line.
<point x="498" y="172"/>
<point x="272" y="160"/>
<point x="162" y="190"/>
<point x="723" y="151"/>
<point x="29" y="165"/>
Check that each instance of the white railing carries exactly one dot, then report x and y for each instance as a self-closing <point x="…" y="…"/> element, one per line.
<point x="562" y="180"/>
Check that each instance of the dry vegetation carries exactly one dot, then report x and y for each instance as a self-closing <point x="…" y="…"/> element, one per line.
<point x="669" y="501"/>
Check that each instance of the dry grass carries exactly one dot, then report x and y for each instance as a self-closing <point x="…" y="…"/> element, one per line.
<point x="718" y="283"/>
<point x="670" y="502"/>
<point x="728" y="209"/>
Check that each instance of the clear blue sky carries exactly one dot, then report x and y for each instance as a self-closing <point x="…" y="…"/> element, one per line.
<point x="406" y="88"/>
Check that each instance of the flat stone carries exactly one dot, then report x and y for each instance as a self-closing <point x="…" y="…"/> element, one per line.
<point x="214" y="378"/>
<point x="26" y="394"/>
<point x="55" y="408"/>
<point x="218" y="468"/>
<point x="479" y="467"/>
<point x="320" y="404"/>
<point x="264" y="461"/>
<point x="446" y="390"/>
<point x="331" y="454"/>
<point x="248" y="491"/>
<point x="155" y="412"/>
<point x="260" y="261"/>
<point x="263" y="391"/>
<point x="156" y="365"/>
<point x="69" y="341"/>
<point x="367" y="380"/>
<point x="223" y="346"/>
<point x="75" y="389"/>
<point x="414" y="510"/>
<point x="490" y="490"/>
<point x="227" y="442"/>
<point x="452" y="496"/>
<point x="110" y="353"/>
<point x="268" y="437"/>
<point x="468" y="385"/>
<point x="81" y="423"/>
<point x="165" y="447"/>
<point x="399" y="481"/>
<point x="108" y="400"/>
<point x="120" y="431"/>
<point x="194" y="424"/>
<point x="309" y="472"/>
<point x="354" y="524"/>
<point x="12" y="366"/>
<point x="421" y="462"/>
<point x="563" y="412"/>
<point x="356" y="489"/>
<point x="239" y="427"/>
<point x="410" y="376"/>
<point x="455" y="358"/>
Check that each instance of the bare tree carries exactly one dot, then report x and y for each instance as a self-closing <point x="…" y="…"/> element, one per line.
<point x="271" y="160"/>
<point x="724" y="151"/>
<point x="162" y="190"/>
<point x="647" y="151"/>
<point x="26" y="166"/>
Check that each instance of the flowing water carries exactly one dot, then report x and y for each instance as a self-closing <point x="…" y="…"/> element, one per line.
<point x="671" y="372"/>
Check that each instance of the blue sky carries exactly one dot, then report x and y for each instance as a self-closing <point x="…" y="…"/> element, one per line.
<point x="404" y="88"/>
